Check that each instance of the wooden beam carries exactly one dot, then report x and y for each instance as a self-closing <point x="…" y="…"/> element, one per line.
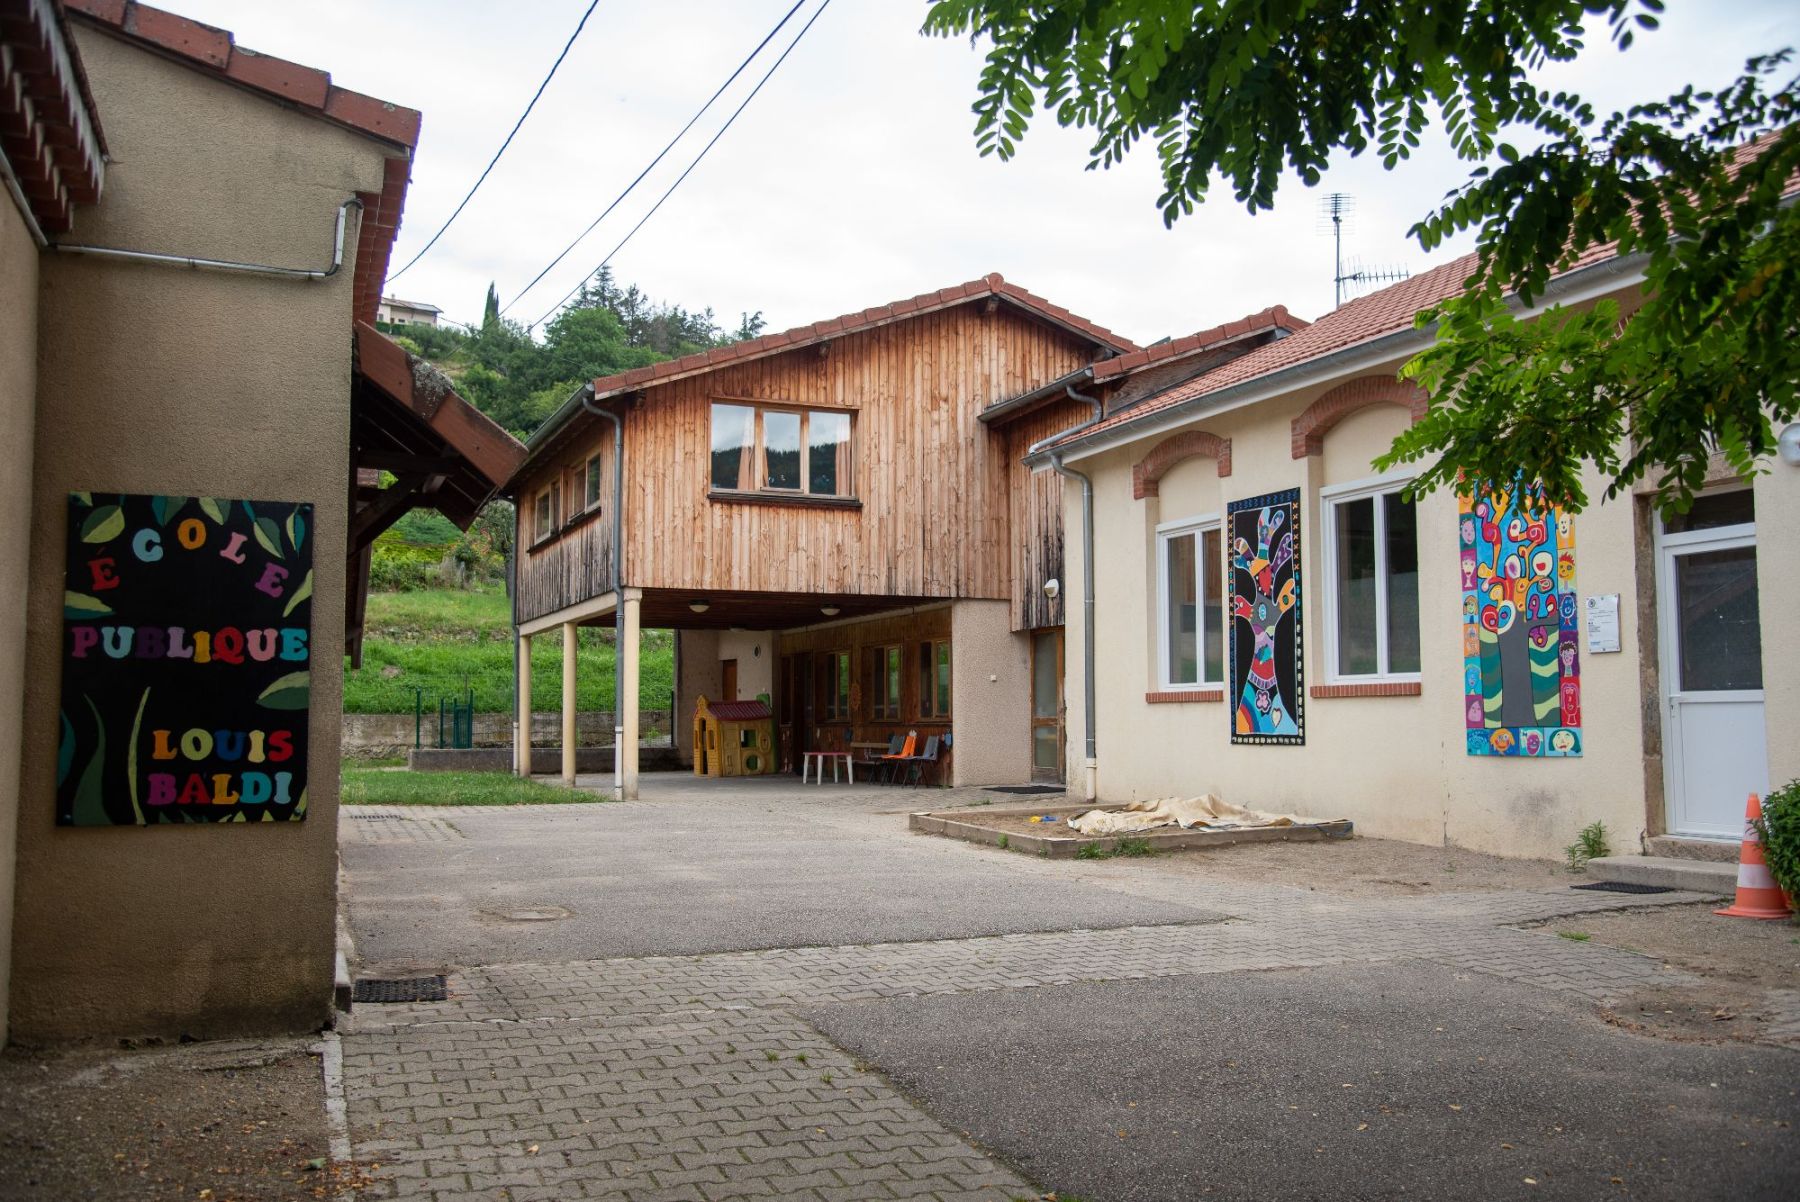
<point x="403" y="461"/>
<point x="395" y="500"/>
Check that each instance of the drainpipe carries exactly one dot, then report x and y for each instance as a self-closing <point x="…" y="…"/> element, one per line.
<point x="618" y="525"/>
<point x="1092" y="766"/>
<point x="289" y="273"/>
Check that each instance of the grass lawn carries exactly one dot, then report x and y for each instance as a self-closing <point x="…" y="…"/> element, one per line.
<point x="446" y="640"/>
<point x="375" y="786"/>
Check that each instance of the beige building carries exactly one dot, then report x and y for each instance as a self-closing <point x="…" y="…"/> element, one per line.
<point x="190" y="233"/>
<point x="394" y="311"/>
<point x="1654" y="701"/>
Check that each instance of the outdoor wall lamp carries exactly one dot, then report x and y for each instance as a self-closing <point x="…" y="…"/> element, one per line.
<point x="1052" y="587"/>
<point x="830" y="611"/>
<point x="700" y="605"/>
<point x="1788" y="445"/>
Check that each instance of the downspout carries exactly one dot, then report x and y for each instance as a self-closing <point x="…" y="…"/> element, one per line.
<point x="290" y="273"/>
<point x="1091" y="787"/>
<point x="618" y="524"/>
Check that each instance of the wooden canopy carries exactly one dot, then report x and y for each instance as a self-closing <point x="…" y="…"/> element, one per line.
<point x="443" y="454"/>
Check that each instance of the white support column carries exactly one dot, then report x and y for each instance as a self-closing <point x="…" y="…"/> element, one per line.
<point x="522" y="718"/>
<point x="625" y="739"/>
<point x="570" y="630"/>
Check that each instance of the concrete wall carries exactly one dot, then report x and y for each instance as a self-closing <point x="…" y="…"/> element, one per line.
<point x="754" y="651"/>
<point x="990" y="694"/>
<point x="696" y="675"/>
<point x="1778" y="586"/>
<point x="1396" y="765"/>
<point x="158" y="380"/>
<point x="18" y="408"/>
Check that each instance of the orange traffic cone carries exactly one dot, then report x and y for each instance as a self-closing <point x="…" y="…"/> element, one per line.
<point x="1758" y="896"/>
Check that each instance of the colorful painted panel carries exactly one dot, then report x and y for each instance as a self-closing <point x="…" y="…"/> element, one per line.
<point x="1521" y="657"/>
<point x="187" y="628"/>
<point x="1266" y="672"/>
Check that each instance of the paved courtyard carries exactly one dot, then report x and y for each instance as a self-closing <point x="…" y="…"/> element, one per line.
<point x="764" y="991"/>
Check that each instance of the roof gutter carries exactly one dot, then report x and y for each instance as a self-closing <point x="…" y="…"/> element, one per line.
<point x="1575" y="286"/>
<point x="1001" y="410"/>
<point x="1091" y="766"/>
<point x="227" y="265"/>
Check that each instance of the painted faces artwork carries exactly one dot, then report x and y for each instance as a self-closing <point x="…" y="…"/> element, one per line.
<point x="1522" y="672"/>
<point x="1265" y="619"/>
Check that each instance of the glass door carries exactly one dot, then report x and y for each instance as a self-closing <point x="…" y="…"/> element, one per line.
<point x="1047" y="705"/>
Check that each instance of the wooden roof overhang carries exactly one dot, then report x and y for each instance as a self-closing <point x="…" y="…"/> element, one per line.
<point x="671" y="609"/>
<point x="50" y="133"/>
<point x="443" y="454"/>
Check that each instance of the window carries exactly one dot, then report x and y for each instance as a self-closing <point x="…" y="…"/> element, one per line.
<point x="546" y="507"/>
<point x="885" y="666"/>
<point x="835" y="687"/>
<point x="934" y="680"/>
<point x="1191" y="618"/>
<point x="593" y="481"/>
<point x="799" y="451"/>
<point x="1372" y="563"/>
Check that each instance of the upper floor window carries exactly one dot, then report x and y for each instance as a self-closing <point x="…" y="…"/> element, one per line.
<point x="1372" y="568"/>
<point x="592" y="474"/>
<point x="762" y="449"/>
<point x="1191" y="612"/>
<point x="544" y="517"/>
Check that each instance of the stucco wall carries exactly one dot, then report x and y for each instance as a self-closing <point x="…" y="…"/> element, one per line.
<point x="159" y="380"/>
<point x="1778" y="587"/>
<point x="1397" y="765"/>
<point x="754" y="652"/>
<point x="696" y="675"/>
<point x="18" y="392"/>
<point x="990" y="694"/>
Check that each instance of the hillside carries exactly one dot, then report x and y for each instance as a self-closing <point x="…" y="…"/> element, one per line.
<point x="446" y="640"/>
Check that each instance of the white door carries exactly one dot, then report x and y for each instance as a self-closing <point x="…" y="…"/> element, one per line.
<point x="1715" y="751"/>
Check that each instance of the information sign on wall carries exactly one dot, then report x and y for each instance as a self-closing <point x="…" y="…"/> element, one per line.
<point x="187" y="629"/>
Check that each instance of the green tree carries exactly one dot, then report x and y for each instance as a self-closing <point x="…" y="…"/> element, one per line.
<point x="1249" y="91"/>
<point x="490" y="308"/>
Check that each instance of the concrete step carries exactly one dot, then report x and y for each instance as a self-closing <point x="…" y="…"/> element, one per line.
<point x="1698" y="876"/>
<point x="1719" y="851"/>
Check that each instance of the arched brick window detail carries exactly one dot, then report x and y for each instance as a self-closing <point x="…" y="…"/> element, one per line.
<point x="1310" y="428"/>
<point x="1147" y="473"/>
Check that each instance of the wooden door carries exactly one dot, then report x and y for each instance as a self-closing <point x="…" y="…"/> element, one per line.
<point x="728" y="680"/>
<point x="1047" y="705"/>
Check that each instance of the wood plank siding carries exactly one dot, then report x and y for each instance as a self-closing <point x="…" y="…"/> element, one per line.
<point x="1035" y="502"/>
<point x="938" y="498"/>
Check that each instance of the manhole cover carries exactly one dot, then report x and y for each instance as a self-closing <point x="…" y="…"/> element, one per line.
<point x="1623" y="887"/>
<point x="1025" y="789"/>
<point x="399" y="989"/>
<point x="535" y="914"/>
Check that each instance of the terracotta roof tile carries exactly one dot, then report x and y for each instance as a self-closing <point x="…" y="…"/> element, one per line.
<point x="203" y="46"/>
<point x="818" y="331"/>
<point x="1274" y="318"/>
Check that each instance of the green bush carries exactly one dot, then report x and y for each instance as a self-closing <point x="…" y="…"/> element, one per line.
<point x="1779" y="830"/>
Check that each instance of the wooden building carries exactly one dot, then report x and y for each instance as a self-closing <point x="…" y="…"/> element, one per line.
<point x="839" y="516"/>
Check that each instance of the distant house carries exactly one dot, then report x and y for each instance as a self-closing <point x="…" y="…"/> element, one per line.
<point x="839" y="516"/>
<point x="1278" y="623"/>
<point x="394" y="311"/>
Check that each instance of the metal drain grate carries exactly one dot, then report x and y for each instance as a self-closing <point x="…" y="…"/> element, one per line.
<point x="1025" y="789"/>
<point x="1623" y="887"/>
<point x="399" y="989"/>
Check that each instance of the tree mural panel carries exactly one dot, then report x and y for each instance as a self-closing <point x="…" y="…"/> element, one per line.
<point x="1266" y="666"/>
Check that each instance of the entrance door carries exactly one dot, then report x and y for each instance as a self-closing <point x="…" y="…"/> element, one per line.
<point x="1047" y="705"/>
<point x="728" y="680"/>
<point x="1714" y="746"/>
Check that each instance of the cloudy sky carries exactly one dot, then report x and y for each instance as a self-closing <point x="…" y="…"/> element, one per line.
<point x="852" y="179"/>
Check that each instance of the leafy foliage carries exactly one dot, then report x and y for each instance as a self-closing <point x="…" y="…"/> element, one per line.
<point x="1779" y="830"/>
<point x="1590" y="844"/>
<point x="1246" y="90"/>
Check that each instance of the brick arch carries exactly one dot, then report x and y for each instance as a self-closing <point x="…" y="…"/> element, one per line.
<point x="1310" y="428"/>
<point x="1147" y="473"/>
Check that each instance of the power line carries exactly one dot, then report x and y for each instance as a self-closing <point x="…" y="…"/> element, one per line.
<point x="580" y="25"/>
<point x="690" y="167"/>
<point x="659" y="157"/>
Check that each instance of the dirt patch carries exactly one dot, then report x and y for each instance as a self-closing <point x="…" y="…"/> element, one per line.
<point x="214" y="1122"/>
<point x="1366" y="868"/>
<point x="1751" y="972"/>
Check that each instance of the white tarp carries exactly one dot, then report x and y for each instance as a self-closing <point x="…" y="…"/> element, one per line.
<point x="1186" y="812"/>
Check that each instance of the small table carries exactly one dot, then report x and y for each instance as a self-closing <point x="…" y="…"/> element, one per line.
<point x="818" y="758"/>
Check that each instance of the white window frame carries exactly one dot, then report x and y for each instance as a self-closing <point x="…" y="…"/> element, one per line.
<point x="1166" y="532"/>
<point x="1330" y="497"/>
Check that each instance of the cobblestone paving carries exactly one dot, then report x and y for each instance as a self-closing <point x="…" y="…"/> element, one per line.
<point x="672" y="1078"/>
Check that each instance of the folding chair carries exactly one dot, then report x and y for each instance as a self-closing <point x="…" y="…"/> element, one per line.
<point x="894" y="762"/>
<point x="915" y="765"/>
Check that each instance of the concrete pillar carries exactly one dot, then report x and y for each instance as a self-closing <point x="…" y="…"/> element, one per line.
<point x="626" y="742"/>
<point x="522" y="715"/>
<point x="570" y="641"/>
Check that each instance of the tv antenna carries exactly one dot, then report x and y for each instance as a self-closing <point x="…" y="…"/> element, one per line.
<point x="1336" y="208"/>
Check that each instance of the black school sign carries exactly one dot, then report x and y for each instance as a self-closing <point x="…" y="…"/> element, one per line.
<point x="187" y="630"/>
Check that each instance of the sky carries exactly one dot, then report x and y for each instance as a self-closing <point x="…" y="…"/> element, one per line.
<point x="853" y="178"/>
